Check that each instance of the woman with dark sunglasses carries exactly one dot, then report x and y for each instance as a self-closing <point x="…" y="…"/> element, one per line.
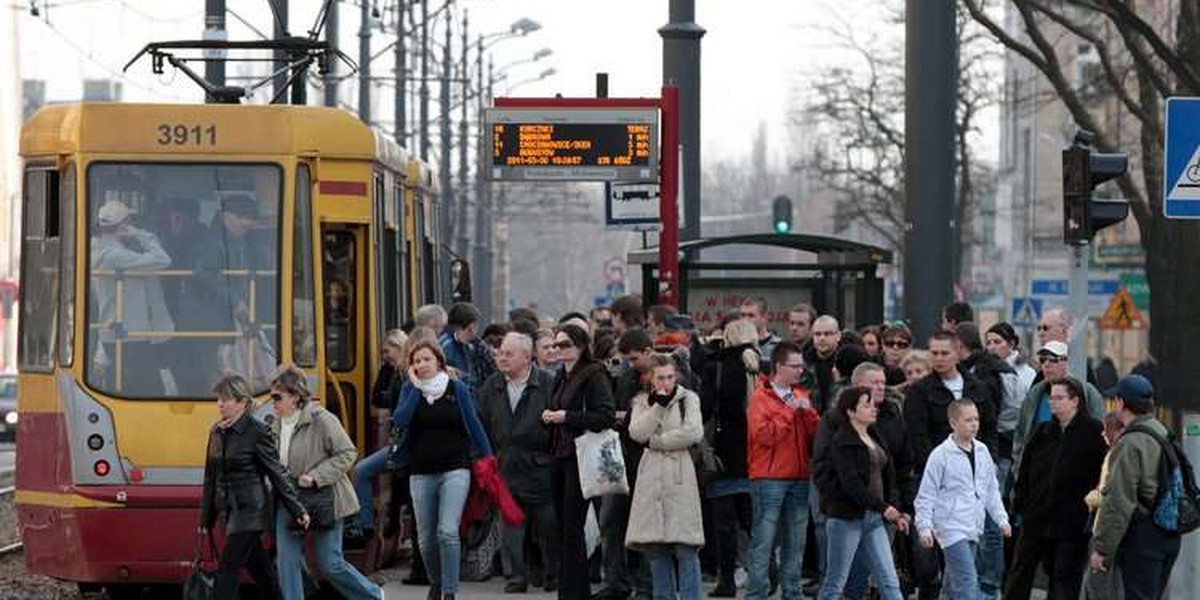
<point x="895" y="343"/>
<point x="582" y="401"/>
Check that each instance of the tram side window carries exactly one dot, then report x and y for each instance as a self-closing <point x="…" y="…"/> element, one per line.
<point x="39" y="257"/>
<point x="304" y="318"/>
<point x="66" y="314"/>
<point x="340" y="271"/>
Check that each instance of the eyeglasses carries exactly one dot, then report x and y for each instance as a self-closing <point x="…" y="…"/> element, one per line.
<point x="1050" y="359"/>
<point x="1044" y="327"/>
<point x="276" y="397"/>
<point x="563" y="345"/>
<point x="897" y="343"/>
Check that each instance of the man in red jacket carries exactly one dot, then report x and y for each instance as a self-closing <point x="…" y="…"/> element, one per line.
<point x="781" y="425"/>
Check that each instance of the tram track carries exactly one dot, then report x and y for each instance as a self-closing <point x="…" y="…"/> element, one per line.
<point x="10" y="542"/>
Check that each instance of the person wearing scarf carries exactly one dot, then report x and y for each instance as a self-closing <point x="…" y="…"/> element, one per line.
<point x="443" y="435"/>
<point x="582" y="400"/>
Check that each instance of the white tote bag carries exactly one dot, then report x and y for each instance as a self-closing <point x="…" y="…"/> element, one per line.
<point x="601" y="464"/>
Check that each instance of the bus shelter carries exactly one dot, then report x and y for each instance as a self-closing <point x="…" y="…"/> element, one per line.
<point x="836" y="276"/>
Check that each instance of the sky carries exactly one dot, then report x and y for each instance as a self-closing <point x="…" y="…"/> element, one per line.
<point x="757" y="55"/>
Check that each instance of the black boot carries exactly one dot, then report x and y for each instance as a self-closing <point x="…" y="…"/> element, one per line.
<point x="435" y="593"/>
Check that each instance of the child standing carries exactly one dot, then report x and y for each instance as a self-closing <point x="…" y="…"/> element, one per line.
<point x="958" y="491"/>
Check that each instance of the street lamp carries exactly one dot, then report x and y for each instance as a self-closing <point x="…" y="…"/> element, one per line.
<point x="539" y="55"/>
<point x="550" y="72"/>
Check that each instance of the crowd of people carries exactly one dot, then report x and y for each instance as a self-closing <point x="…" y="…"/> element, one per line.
<point x="855" y="459"/>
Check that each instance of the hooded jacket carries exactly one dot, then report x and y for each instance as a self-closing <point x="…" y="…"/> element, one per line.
<point x="1132" y="485"/>
<point x="779" y="438"/>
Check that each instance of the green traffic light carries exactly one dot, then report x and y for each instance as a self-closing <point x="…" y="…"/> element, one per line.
<point x="782" y="227"/>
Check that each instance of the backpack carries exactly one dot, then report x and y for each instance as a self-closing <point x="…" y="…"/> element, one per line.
<point x="1176" y="507"/>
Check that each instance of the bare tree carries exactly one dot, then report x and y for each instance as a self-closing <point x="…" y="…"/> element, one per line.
<point x="859" y="114"/>
<point x="1144" y="58"/>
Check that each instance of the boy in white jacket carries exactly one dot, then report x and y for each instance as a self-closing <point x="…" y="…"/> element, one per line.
<point x="959" y="487"/>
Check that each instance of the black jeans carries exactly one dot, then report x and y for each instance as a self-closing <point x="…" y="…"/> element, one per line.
<point x="571" y="510"/>
<point x="1063" y="560"/>
<point x="1145" y="557"/>
<point x="245" y="550"/>
<point x="731" y="513"/>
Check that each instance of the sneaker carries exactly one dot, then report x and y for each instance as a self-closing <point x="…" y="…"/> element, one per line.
<point x="739" y="578"/>
<point x="516" y="586"/>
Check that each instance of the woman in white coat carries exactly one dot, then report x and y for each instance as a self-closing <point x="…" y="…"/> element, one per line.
<point x="664" y="518"/>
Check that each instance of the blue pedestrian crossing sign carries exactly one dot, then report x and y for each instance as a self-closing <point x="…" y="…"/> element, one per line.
<point x="1026" y="311"/>
<point x="1181" y="163"/>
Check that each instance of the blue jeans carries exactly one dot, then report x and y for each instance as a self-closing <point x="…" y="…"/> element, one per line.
<point x="962" y="582"/>
<point x="844" y="540"/>
<point x="438" y="502"/>
<point x="857" y="585"/>
<point x="289" y="557"/>
<point x="662" y="571"/>
<point x="777" y="503"/>
<point x="365" y="473"/>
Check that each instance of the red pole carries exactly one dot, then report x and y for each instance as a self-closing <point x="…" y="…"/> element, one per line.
<point x="668" y="240"/>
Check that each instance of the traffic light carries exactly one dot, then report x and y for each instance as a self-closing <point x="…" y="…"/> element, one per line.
<point x="781" y="210"/>
<point x="1083" y="170"/>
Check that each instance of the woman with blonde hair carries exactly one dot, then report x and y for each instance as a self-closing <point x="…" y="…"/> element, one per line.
<point x="317" y="453"/>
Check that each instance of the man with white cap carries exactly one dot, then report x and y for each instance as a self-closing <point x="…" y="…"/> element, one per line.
<point x="1036" y="407"/>
<point x="120" y="256"/>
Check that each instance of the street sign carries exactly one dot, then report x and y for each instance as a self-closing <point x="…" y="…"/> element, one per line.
<point x="631" y="206"/>
<point x="564" y="144"/>
<point x="1026" y="311"/>
<point x="1059" y="287"/>
<point x="1181" y="162"/>
<point x="1138" y="288"/>
<point x="1122" y="313"/>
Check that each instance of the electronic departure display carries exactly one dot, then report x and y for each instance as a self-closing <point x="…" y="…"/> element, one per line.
<point x="573" y="144"/>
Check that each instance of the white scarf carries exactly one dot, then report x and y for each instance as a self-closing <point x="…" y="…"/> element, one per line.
<point x="434" y="387"/>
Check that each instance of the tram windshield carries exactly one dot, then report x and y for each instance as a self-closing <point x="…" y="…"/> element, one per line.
<point x="183" y="276"/>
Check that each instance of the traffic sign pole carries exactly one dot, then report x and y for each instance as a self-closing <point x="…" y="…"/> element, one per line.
<point x="1077" y="301"/>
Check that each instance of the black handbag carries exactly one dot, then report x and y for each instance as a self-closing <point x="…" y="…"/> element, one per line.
<point x="201" y="582"/>
<point x="318" y="503"/>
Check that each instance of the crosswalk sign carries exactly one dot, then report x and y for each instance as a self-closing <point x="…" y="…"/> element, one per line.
<point x="1122" y="313"/>
<point x="1181" y="162"/>
<point x="1026" y="311"/>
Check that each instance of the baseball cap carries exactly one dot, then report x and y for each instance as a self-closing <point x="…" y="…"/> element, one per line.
<point x="1056" y="348"/>
<point x="1133" y="389"/>
<point x="113" y="213"/>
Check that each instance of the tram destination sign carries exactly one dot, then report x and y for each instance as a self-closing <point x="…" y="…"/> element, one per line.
<point x="609" y="144"/>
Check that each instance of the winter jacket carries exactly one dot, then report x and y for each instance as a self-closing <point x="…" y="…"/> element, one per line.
<point x="666" y="502"/>
<point x="955" y="498"/>
<point x="1040" y="392"/>
<point x="890" y="427"/>
<point x="726" y="405"/>
<point x="489" y="491"/>
<point x="520" y="438"/>
<point x="847" y="494"/>
<point x="237" y="460"/>
<point x="1132" y="486"/>
<point x="586" y="396"/>
<point x="626" y="387"/>
<point x="925" y="415"/>
<point x="997" y="378"/>
<point x="321" y="449"/>
<point x="473" y="359"/>
<point x="387" y="386"/>
<point x="410" y="397"/>
<point x="779" y="438"/>
<point x="143" y="307"/>
<point x="822" y="369"/>
<point x="1059" y="467"/>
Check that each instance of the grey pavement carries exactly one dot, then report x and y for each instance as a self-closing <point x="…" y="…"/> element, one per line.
<point x="469" y="590"/>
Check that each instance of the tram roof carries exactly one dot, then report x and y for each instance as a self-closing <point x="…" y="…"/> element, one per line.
<point x="239" y="129"/>
<point x="828" y="249"/>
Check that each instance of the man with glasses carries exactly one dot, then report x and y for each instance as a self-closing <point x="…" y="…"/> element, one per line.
<point x="781" y="426"/>
<point x="1036" y="408"/>
<point x="1055" y="326"/>
<point x="820" y="355"/>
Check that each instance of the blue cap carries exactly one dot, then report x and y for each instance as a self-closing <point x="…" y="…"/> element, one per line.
<point x="1133" y="389"/>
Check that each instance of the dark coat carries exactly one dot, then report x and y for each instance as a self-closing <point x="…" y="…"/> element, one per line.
<point x="519" y="438"/>
<point x="989" y="370"/>
<point x="626" y="387"/>
<point x="926" y="419"/>
<point x="890" y="428"/>
<point x="1058" y="468"/>
<point x="846" y="494"/>
<point x="586" y="396"/>
<point x="822" y="369"/>
<point x="729" y="397"/>
<point x="237" y="460"/>
<point x="387" y="386"/>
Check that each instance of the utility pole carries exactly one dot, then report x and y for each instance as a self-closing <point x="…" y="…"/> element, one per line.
<point x="331" y="37"/>
<point x="463" y="132"/>
<point x="483" y="229"/>
<point x="401" y="78"/>
<point x="681" y="69"/>
<point x="214" y="29"/>
<point x="280" y="81"/>
<point x="364" y="63"/>
<point x="930" y="65"/>
<point x="446" y="214"/>
<point x="424" y="123"/>
<point x="482" y="188"/>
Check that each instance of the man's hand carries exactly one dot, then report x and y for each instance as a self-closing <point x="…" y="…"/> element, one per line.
<point x="304" y="520"/>
<point x="1097" y="563"/>
<point x="891" y="514"/>
<point x="306" y="481"/>
<point x="927" y="540"/>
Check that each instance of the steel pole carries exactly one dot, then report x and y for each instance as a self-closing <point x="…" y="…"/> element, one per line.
<point x="931" y="62"/>
<point x="364" y="63"/>
<point x="668" y="240"/>
<point x="332" y="38"/>
<point x="681" y="69"/>
<point x="445" y="210"/>
<point x="1077" y="300"/>
<point x="483" y="230"/>
<point x="401" y="50"/>
<point x="280" y="20"/>
<point x="464" y="128"/>
<point x="214" y="29"/>
<point x="424" y="125"/>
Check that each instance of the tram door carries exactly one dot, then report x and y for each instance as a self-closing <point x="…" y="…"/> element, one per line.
<point x="344" y="286"/>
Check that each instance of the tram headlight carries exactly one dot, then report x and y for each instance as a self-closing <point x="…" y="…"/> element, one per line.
<point x="11" y="418"/>
<point x="95" y="442"/>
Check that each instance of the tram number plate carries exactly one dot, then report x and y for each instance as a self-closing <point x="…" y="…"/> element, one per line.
<point x="178" y="134"/>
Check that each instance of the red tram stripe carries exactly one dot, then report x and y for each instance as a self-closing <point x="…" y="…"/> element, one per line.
<point x="344" y="188"/>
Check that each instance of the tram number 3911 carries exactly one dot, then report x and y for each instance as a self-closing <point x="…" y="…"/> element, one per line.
<point x="184" y="135"/>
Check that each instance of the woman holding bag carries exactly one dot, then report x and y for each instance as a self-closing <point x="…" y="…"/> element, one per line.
<point x="443" y="436"/>
<point x="664" y="519"/>
<point x="316" y="451"/>
<point x="582" y="400"/>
